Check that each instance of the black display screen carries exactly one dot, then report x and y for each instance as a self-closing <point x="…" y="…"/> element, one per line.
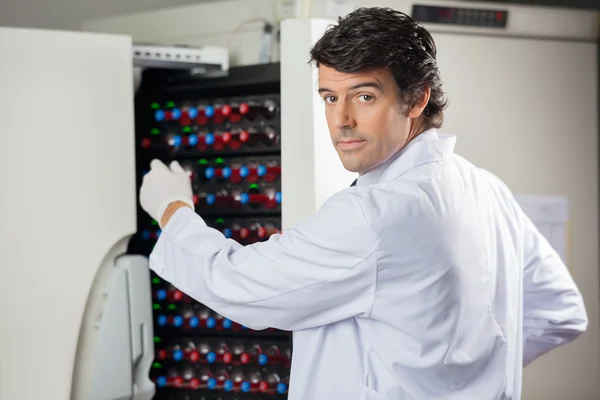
<point x="484" y="18"/>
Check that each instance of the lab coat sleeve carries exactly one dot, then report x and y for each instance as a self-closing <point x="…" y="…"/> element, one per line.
<point x="318" y="272"/>
<point x="553" y="309"/>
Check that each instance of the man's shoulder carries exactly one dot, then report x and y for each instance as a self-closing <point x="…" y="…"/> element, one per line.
<point x="396" y="199"/>
<point x="496" y="183"/>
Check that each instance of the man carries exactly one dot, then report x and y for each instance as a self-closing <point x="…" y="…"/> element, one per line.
<point x="423" y="281"/>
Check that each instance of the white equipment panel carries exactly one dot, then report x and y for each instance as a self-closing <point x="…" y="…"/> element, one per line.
<point x="68" y="204"/>
<point x="311" y="169"/>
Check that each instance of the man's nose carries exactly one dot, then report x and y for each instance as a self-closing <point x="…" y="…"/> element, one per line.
<point x="343" y="116"/>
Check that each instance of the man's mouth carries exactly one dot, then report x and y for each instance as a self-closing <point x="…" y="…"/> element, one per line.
<point x="351" y="144"/>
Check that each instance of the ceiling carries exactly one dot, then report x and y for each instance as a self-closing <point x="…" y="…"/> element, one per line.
<point x="69" y="14"/>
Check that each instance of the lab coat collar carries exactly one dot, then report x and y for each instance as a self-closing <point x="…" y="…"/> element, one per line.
<point x="427" y="147"/>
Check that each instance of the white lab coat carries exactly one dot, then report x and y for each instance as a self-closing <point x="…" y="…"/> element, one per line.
<point x="424" y="281"/>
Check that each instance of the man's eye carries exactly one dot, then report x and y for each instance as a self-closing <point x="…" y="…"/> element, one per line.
<point x="329" y="99"/>
<point x="366" y="97"/>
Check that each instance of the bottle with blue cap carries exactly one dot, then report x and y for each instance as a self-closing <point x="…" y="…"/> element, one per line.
<point x="227" y="324"/>
<point x="209" y="139"/>
<point x="178" y="321"/>
<point x="211" y="323"/>
<point x="193" y="140"/>
<point x="162" y="320"/>
<point x="192" y="112"/>
<point x="209" y="198"/>
<point x="161" y="294"/>
<point x="245" y="386"/>
<point x="177" y="355"/>
<point x="209" y="172"/>
<point x="159" y="115"/>
<point x="174" y="140"/>
<point x="282" y="388"/>
<point x="244" y="172"/>
<point x="228" y="385"/>
<point x="161" y="381"/>
<point x="226" y="172"/>
<point x="175" y="114"/>
<point x="209" y="111"/>
<point x="211" y="357"/>
<point x="211" y="383"/>
<point x="261" y="170"/>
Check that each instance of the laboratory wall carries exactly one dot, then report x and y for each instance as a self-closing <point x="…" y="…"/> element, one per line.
<point x="539" y="135"/>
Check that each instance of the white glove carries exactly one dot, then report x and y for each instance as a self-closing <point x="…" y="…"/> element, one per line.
<point x="161" y="186"/>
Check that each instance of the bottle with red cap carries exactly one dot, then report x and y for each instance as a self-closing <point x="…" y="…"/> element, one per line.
<point x="273" y="353"/>
<point x="191" y="353"/>
<point x="174" y="295"/>
<point x="237" y="349"/>
<point x="174" y="378"/>
<point x="270" y="383"/>
<point x="190" y="378"/>
<point x="221" y="350"/>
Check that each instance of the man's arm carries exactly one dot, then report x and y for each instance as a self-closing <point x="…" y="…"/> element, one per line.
<point x="319" y="272"/>
<point x="553" y="310"/>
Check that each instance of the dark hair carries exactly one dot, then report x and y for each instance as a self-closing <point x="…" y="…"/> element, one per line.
<point x="382" y="38"/>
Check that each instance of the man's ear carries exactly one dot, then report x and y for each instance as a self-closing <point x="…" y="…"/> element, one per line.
<point x="417" y="109"/>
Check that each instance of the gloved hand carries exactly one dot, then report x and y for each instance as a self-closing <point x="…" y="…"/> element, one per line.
<point x="162" y="186"/>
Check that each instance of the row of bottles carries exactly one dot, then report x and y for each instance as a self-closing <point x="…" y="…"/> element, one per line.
<point x="249" y="170"/>
<point x="242" y="231"/>
<point x="239" y="198"/>
<point x="174" y="309"/>
<point x="185" y="313"/>
<point x="236" y="380"/>
<point x="190" y="320"/>
<point x="219" y="112"/>
<point x="235" y="139"/>
<point x="224" y="199"/>
<point x="226" y="352"/>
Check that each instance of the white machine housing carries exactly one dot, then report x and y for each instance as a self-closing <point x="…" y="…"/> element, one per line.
<point x="75" y="308"/>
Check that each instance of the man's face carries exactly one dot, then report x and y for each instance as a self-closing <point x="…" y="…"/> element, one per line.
<point x="366" y="120"/>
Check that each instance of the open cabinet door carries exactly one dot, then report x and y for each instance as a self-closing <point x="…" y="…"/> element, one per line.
<point x="67" y="183"/>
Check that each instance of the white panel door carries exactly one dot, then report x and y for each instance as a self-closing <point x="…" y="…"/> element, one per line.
<point x="67" y="183"/>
